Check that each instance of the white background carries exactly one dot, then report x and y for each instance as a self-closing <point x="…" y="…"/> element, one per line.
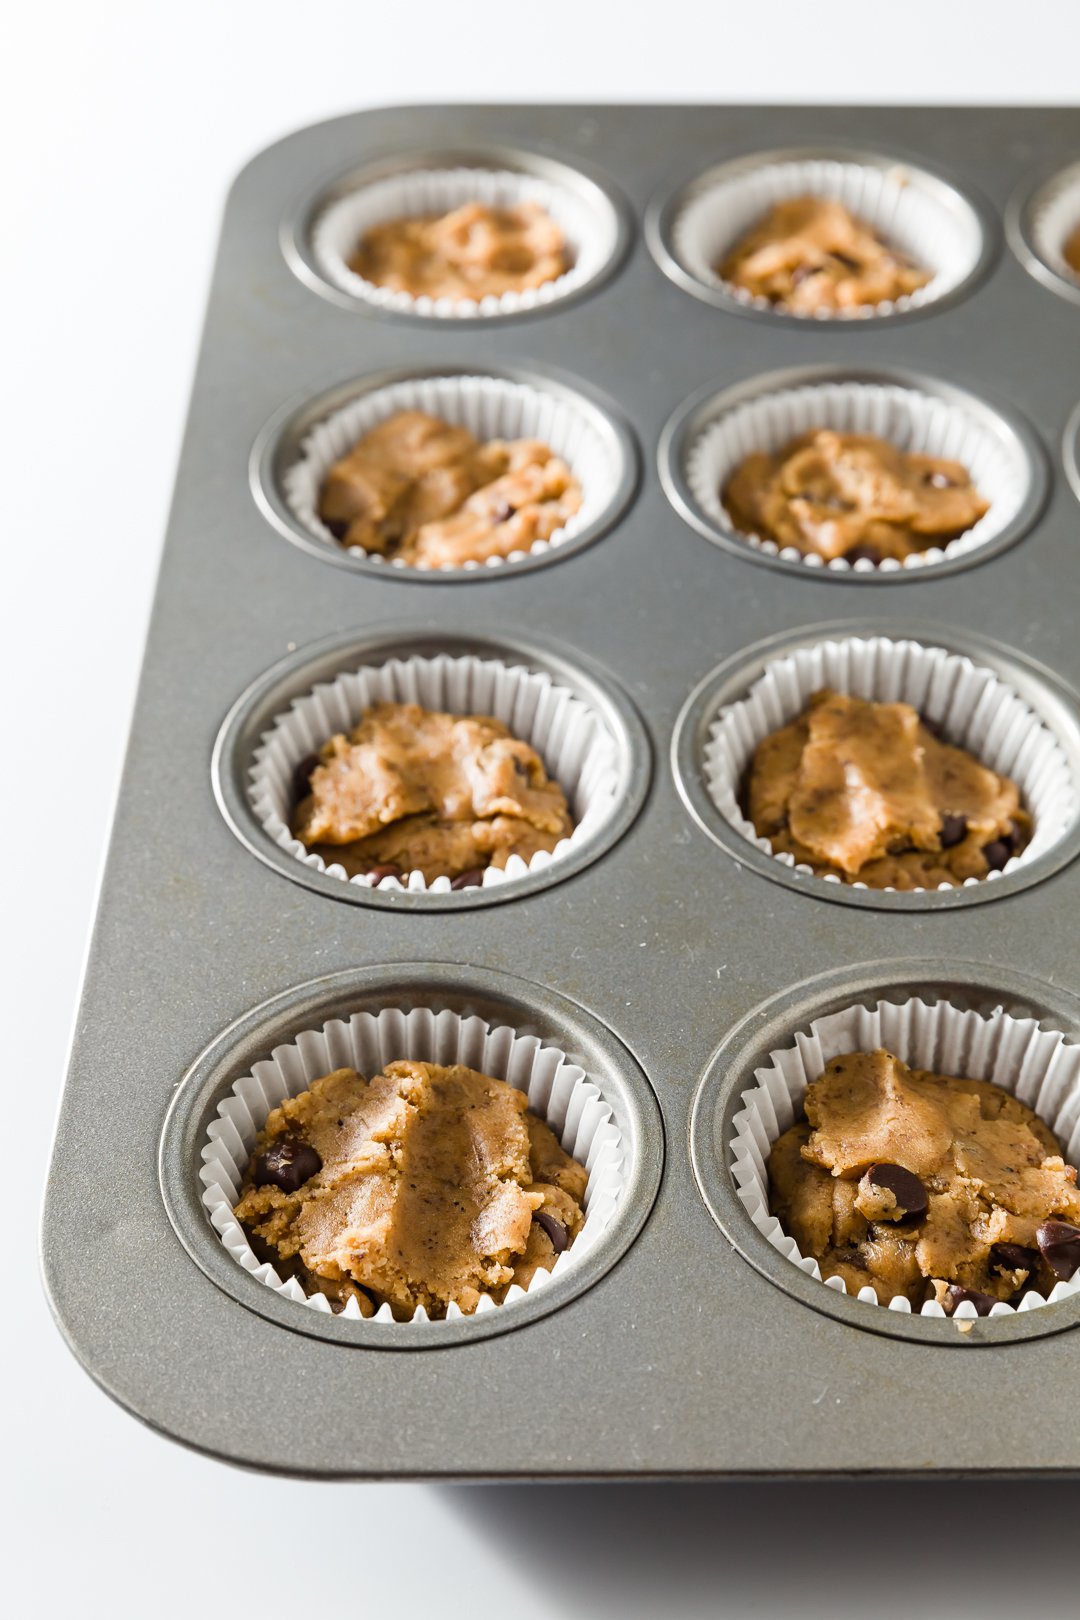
<point x="122" y="125"/>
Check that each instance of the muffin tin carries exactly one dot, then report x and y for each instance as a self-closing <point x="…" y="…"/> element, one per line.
<point x="661" y="958"/>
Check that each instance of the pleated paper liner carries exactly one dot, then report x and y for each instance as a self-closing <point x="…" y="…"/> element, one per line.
<point x="590" y="229"/>
<point x="905" y="212"/>
<point x="576" y="745"/>
<point x="916" y="422"/>
<point x="490" y="408"/>
<point x="558" y="1090"/>
<point x="1039" y="1067"/>
<point x="975" y="709"/>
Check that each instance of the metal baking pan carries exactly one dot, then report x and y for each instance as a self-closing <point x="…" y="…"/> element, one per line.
<point x="667" y="960"/>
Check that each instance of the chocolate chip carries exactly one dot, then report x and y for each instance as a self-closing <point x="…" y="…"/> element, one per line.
<point x="287" y="1163"/>
<point x="337" y="526"/>
<point x="1059" y="1245"/>
<point x="301" y="777"/>
<point x="555" y="1230"/>
<point x="500" y="513"/>
<point x="869" y="554"/>
<point x="1013" y="1257"/>
<point x="842" y="258"/>
<point x="957" y="1295"/>
<point x="905" y="1186"/>
<point x="996" y="853"/>
<point x="939" y="480"/>
<point x="377" y="873"/>
<point x="932" y="726"/>
<point x="469" y="880"/>
<point x="953" y="831"/>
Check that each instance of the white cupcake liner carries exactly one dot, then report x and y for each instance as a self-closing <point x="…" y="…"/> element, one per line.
<point x="558" y="1090"/>
<point x="918" y="423"/>
<point x="976" y="709"/>
<point x="906" y="213"/>
<point x="490" y="408"/>
<point x="1055" y="214"/>
<point x="578" y="749"/>
<point x="1041" y="1068"/>
<point x="589" y="228"/>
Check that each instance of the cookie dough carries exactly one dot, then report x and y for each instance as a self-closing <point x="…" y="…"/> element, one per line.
<point x="474" y="252"/>
<point x="415" y="790"/>
<point x="426" y="493"/>
<point x="811" y="255"/>
<point x="926" y="1185"/>
<point x="1071" y="251"/>
<point x="852" y="495"/>
<point x="422" y="1186"/>
<point x="870" y="793"/>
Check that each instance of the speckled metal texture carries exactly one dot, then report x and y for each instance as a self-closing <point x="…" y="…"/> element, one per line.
<point x="686" y="1357"/>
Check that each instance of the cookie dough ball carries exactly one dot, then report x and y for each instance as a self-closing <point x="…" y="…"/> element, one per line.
<point x="925" y="1185"/>
<point x="869" y="793"/>
<point x="426" y="1185"/>
<point x="424" y="492"/>
<point x="852" y="495"/>
<point x="416" y="790"/>
<point x="474" y="252"/>
<point x="811" y="255"/>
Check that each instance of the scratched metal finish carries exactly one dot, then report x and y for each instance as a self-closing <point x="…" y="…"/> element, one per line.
<point x="684" y="1358"/>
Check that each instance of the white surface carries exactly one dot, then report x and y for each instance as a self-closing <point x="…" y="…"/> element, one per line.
<point x="122" y="125"/>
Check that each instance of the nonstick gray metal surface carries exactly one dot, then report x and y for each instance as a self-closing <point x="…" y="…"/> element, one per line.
<point x="664" y="961"/>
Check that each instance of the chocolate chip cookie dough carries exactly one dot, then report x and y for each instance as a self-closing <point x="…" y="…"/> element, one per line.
<point x="474" y="252"/>
<point x="852" y="495"/>
<point x="811" y="255"/>
<point x="426" y="493"/>
<point x="925" y="1185"/>
<point x="871" y="793"/>
<point x="426" y="1185"/>
<point x="415" y="790"/>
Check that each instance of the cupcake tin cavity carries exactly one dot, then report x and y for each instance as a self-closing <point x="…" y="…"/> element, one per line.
<point x="662" y="951"/>
<point x="586" y="731"/>
<point x="576" y="1074"/>
<point x="956" y="1018"/>
<point x="709" y="436"/>
<point x="922" y="215"/>
<point x="1041" y="216"/>
<point x="298" y="445"/>
<point x="1007" y="711"/>
<point x="319" y="237"/>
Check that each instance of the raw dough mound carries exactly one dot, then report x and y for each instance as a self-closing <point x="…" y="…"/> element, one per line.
<point x="926" y="1185"/>
<point x="434" y="1185"/>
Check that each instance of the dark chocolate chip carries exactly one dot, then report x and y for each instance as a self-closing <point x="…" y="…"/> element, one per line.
<point x="996" y="853"/>
<point x="377" y="873"/>
<point x="287" y="1163"/>
<point x="337" y="526"/>
<point x="1013" y="1257"/>
<point x="842" y="258"/>
<point x="953" y="831"/>
<point x="301" y="777"/>
<point x="939" y="480"/>
<point x="869" y="554"/>
<point x="983" y="1303"/>
<point x="905" y="1186"/>
<point x="555" y="1230"/>
<point x="1059" y="1245"/>
<point x="469" y="880"/>
<point x="932" y="726"/>
<point x="500" y="513"/>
